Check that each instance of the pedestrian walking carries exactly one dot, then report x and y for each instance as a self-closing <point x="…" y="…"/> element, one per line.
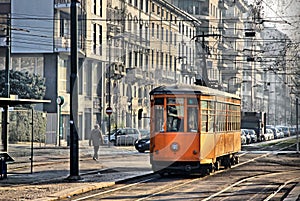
<point x="96" y="139"/>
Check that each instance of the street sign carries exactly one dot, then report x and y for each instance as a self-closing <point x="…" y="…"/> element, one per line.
<point x="109" y="111"/>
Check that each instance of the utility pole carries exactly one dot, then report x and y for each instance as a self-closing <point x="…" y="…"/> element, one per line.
<point x="297" y="123"/>
<point x="74" y="156"/>
<point x="7" y="87"/>
<point x="204" y="81"/>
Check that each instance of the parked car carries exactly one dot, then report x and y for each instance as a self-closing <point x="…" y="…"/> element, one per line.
<point x="281" y="131"/>
<point x="275" y="130"/>
<point x="243" y="139"/>
<point x="252" y="135"/>
<point x="285" y="130"/>
<point x="143" y="144"/>
<point x="127" y="136"/>
<point x="112" y="136"/>
<point x="246" y="133"/>
<point x="269" y="135"/>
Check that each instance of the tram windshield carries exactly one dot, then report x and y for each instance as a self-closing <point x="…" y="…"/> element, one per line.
<point x="174" y="112"/>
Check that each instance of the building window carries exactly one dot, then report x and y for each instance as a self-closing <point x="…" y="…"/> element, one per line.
<point x="141" y="4"/>
<point x="157" y="31"/>
<point x="135" y="59"/>
<point x="136" y="3"/>
<point x="147" y="6"/>
<point x="101" y="5"/>
<point x="162" y="33"/>
<point x="94" y="38"/>
<point x="161" y="60"/>
<point x="175" y="39"/>
<point x="141" y="60"/>
<point x="167" y="61"/>
<point x="100" y="39"/>
<point x="95" y="7"/>
<point x="152" y="29"/>
<point x="167" y="36"/>
<point x="170" y="66"/>
<point x="157" y="59"/>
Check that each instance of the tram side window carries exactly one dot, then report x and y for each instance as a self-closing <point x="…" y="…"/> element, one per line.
<point x="204" y="116"/>
<point x="220" y="117"/>
<point x="236" y="117"/>
<point x="192" y="119"/>
<point x="175" y="114"/>
<point x="211" y="116"/>
<point x="159" y="115"/>
<point x="208" y="116"/>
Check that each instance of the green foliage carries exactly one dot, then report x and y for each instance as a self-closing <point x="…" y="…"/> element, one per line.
<point x="20" y="127"/>
<point x="24" y="84"/>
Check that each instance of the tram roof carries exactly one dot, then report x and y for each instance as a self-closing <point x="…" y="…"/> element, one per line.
<point x="191" y="89"/>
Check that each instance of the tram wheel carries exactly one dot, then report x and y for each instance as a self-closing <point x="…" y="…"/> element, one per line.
<point x="227" y="162"/>
<point x="217" y="165"/>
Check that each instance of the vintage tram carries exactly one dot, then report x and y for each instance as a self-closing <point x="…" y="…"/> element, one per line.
<point x="193" y="129"/>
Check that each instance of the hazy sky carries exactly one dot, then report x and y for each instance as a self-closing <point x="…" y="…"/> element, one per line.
<point x="285" y="14"/>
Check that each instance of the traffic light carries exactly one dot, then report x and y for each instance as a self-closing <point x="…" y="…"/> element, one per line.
<point x="140" y="114"/>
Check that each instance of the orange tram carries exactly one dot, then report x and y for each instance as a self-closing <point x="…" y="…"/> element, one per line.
<point x="194" y="129"/>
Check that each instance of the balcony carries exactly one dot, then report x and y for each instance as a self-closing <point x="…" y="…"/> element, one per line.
<point x="65" y="5"/>
<point x="133" y="75"/>
<point x="62" y="44"/>
<point x="117" y="70"/>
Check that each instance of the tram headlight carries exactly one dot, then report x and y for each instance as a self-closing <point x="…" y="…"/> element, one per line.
<point x="174" y="146"/>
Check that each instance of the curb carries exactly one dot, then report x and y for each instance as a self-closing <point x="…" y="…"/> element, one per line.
<point x="89" y="187"/>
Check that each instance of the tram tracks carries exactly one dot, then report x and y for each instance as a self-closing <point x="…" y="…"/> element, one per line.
<point x="153" y="192"/>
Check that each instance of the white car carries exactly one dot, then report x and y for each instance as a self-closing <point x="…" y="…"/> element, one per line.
<point x="269" y="135"/>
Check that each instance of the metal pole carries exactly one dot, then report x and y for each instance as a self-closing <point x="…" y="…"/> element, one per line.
<point x="5" y="114"/>
<point x="74" y="156"/>
<point x="7" y="60"/>
<point x="59" y="124"/>
<point x="297" y="126"/>
<point x="131" y="112"/>
<point x="32" y="139"/>
<point x="109" y="83"/>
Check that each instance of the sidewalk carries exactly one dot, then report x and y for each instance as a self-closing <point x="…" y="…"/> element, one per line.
<point x="50" y="181"/>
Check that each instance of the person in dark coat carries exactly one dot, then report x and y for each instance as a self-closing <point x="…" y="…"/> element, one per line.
<point x="96" y="139"/>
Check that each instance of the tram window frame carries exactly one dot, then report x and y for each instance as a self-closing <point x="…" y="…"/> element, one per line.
<point x="211" y="116"/>
<point x="204" y="115"/>
<point x="175" y="114"/>
<point x="220" y="117"/>
<point x="192" y="114"/>
<point x="159" y="109"/>
<point x="208" y="115"/>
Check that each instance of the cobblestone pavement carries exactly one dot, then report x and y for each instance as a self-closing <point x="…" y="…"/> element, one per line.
<point x="49" y="179"/>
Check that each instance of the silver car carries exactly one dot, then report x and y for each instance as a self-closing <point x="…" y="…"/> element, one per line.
<point x="127" y="136"/>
